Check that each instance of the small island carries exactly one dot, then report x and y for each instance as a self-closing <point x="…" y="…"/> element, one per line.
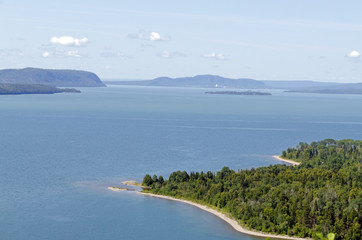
<point x="321" y="198"/>
<point x="15" y="89"/>
<point x="253" y="93"/>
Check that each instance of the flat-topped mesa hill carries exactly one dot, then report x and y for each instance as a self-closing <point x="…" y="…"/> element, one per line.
<point x="50" y="77"/>
<point x="203" y="81"/>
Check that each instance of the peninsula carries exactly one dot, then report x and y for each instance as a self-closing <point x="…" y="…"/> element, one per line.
<point x="322" y="195"/>
<point x="50" y="77"/>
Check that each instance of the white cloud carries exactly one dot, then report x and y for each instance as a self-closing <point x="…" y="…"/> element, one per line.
<point x="69" y="41"/>
<point x="354" y="54"/>
<point x="150" y="36"/>
<point x="154" y="36"/>
<point x="217" y="56"/>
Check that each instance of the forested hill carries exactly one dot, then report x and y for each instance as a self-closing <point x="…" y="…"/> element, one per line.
<point x="57" y="78"/>
<point x="322" y="195"/>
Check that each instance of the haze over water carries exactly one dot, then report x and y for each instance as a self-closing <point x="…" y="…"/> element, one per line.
<point x="60" y="152"/>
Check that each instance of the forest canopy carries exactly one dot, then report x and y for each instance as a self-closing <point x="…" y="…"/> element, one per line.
<point x="321" y="195"/>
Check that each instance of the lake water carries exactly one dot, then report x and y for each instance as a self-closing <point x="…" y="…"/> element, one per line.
<point x="58" y="153"/>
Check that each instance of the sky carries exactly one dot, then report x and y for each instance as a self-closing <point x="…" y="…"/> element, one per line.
<point x="318" y="40"/>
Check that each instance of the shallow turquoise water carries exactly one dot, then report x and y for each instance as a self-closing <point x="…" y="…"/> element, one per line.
<point x="58" y="154"/>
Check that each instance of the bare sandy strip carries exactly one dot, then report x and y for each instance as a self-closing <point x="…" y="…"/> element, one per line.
<point x="117" y="189"/>
<point x="131" y="183"/>
<point x="285" y="160"/>
<point x="227" y="219"/>
<point x="135" y="184"/>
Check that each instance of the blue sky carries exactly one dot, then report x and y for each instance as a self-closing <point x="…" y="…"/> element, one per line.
<point x="141" y="39"/>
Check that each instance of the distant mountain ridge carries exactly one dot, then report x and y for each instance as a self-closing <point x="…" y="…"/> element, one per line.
<point x="204" y="81"/>
<point x="214" y="81"/>
<point x="51" y="77"/>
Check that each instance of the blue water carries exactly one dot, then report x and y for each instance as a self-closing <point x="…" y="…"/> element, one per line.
<point x="58" y="153"/>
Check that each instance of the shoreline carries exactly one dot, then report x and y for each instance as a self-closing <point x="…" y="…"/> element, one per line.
<point x="233" y="223"/>
<point x="224" y="217"/>
<point x="294" y="163"/>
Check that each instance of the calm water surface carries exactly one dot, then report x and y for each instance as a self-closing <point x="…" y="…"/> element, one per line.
<point x="58" y="153"/>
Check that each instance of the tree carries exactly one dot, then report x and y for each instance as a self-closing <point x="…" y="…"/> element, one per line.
<point x="161" y="180"/>
<point x="147" y="180"/>
<point x="154" y="178"/>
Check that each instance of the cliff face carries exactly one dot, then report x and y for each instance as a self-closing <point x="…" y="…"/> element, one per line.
<point x="58" y="78"/>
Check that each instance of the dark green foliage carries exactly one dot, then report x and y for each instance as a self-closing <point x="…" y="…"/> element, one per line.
<point x="160" y="179"/>
<point x="147" y="180"/>
<point x="322" y="195"/>
<point x="154" y="178"/>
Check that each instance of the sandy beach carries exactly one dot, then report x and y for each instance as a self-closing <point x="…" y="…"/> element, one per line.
<point x="221" y="215"/>
<point x="285" y="160"/>
<point x="227" y="219"/>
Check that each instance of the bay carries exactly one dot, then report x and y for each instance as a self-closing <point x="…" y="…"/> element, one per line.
<point x="58" y="154"/>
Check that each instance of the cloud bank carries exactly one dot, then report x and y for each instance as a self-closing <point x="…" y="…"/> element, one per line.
<point x="69" y="41"/>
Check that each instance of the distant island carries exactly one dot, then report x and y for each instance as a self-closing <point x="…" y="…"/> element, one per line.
<point x="50" y="77"/>
<point x="215" y="81"/>
<point x="240" y="93"/>
<point x="351" y="88"/>
<point x="199" y="81"/>
<point x="321" y="198"/>
<point x="7" y="89"/>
